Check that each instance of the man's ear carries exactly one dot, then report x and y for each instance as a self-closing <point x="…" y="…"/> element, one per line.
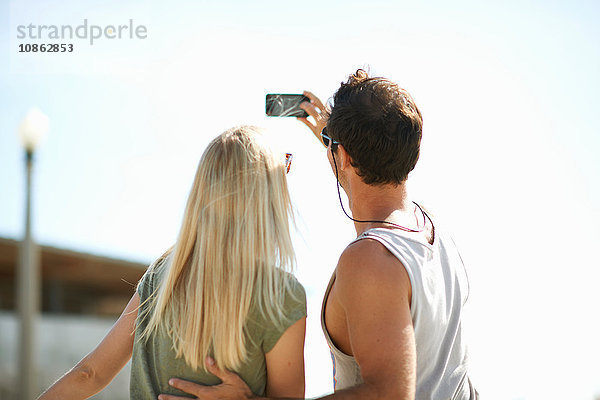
<point x="343" y="158"/>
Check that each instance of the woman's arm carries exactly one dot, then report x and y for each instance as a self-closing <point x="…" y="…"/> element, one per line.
<point x="285" y="363"/>
<point x="98" y="368"/>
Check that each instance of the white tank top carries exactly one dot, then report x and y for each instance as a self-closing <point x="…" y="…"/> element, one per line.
<point x="439" y="291"/>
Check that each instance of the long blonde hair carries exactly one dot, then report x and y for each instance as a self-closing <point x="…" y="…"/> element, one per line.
<point x="233" y="242"/>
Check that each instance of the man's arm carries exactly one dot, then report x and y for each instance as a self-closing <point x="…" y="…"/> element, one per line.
<point x="374" y="290"/>
<point x="318" y="112"/>
<point x="98" y="368"/>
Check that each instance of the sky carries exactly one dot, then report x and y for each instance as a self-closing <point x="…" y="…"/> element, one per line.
<point x="508" y="92"/>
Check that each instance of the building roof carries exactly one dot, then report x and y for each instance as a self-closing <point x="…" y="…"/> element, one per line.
<point x="72" y="282"/>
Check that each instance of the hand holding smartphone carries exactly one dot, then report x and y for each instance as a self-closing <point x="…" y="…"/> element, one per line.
<point x="288" y="105"/>
<point x="285" y="105"/>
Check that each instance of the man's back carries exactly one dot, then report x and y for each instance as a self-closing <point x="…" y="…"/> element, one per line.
<point x="438" y="291"/>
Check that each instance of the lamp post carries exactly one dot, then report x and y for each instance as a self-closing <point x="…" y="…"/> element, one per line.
<point x="31" y="132"/>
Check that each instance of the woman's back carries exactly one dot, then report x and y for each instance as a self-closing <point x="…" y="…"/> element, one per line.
<point x="154" y="362"/>
<point x="221" y="290"/>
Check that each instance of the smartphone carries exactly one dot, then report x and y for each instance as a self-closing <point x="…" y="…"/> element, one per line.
<point x="285" y="105"/>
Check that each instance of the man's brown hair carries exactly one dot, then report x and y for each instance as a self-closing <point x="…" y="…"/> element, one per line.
<point x="379" y="125"/>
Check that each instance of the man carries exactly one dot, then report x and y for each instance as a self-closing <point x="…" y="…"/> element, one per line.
<point x="392" y="311"/>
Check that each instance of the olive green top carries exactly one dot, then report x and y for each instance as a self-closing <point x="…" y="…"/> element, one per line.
<point x="154" y="362"/>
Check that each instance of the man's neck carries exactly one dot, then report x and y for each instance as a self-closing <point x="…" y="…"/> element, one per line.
<point x="379" y="203"/>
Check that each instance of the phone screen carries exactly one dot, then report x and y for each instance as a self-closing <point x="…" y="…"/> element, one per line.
<point x="285" y="105"/>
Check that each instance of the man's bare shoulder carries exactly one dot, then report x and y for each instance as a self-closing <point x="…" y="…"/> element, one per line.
<point x="368" y="265"/>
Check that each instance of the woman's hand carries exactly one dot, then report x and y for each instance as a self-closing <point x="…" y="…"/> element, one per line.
<point x="318" y="111"/>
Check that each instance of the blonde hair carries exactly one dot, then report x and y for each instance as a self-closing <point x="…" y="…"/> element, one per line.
<point x="233" y="243"/>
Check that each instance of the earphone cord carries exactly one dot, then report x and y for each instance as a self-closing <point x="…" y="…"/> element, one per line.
<point x="374" y="221"/>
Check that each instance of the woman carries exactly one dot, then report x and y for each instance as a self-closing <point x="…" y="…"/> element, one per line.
<point x="221" y="291"/>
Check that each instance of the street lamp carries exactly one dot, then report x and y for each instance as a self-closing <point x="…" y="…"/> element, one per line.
<point x="31" y="132"/>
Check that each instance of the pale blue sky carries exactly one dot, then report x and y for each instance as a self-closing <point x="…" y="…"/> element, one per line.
<point x="509" y="156"/>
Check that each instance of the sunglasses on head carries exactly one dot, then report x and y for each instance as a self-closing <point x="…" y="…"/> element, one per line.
<point x="288" y="162"/>
<point x="326" y="139"/>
